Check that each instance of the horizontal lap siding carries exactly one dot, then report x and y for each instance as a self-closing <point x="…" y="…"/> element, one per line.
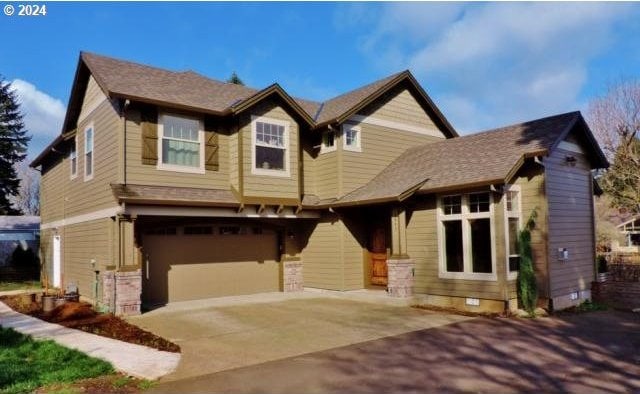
<point x="569" y="192"/>
<point x="326" y="175"/>
<point x="422" y="245"/>
<point x="353" y="244"/>
<point x="380" y="147"/>
<point x="399" y="105"/>
<point x="146" y="174"/>
<point x="323" y="266"/>
<point x="81" y="243"/>
<point x="234" y="175"/>
<point x="532" y="188"/>
<point x="265" y="185"/>
<point x="93" y="96"/>
<point x="63" y="197"/>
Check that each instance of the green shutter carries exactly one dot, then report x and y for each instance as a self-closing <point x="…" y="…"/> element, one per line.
<point x="211" y="147"/>
<point x="149" y="126"/>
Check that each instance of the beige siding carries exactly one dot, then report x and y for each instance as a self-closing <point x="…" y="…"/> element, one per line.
<point x="422" y="245"/>
<point x="322" y="264"/>
<point x="326" y="175"/>
<point x="145" y="174"/>
<point x="569" y="193"/>
<point x="234" y="173"/>
<point x="265" y="185"/>
<point x="92" y="99"/>
<point x="399" y="105"/>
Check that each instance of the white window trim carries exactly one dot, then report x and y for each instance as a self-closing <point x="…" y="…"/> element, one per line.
<point x="466" y="239"/>
<point x="93" y="152"/>
<point x="511" y="275"/>
<point x="287" y="148"/>
<point x="358" y="146"/>
<point x="325" y="148"/>
<point x="72" y="174"/>
<point x="174" y="167"/>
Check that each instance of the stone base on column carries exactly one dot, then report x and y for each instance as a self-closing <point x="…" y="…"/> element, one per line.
<point x="292" y="279"/>
<point x="121" y="292"/>
<point x="400" y="277"/>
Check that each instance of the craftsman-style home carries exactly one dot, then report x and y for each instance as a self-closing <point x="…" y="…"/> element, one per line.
<point x="166" y="186"/>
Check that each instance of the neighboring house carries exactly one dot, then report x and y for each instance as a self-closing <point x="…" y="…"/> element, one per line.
<point x="19" y="236"/>
<point x="630" y="230"/>
<point x="168" y="186"/>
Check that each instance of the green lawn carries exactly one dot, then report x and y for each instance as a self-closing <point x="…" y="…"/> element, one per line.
<point x="28" y="285"/>
<point x="26" y="364"/>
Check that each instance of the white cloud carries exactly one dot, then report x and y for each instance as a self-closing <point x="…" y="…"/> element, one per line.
<point x="43" y="114"/>
<point x="489" y="64"/>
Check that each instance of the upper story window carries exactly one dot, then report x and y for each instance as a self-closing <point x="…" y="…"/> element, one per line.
<point x="270" y="146"/>
<point x="181" y="144"/>
<point x="466" y="237"/>
<point x="351" y="138"/>
<point x="328" y="141"/>
<point x="73" y="157"/>
<point x="88" y="152"/>
<point x="512" y="220"/>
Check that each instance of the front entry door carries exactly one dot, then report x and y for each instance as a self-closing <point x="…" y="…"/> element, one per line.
<point x="379" y="256"/>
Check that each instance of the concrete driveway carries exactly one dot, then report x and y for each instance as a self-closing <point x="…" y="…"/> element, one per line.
<point x="221" y="334"/>
<point x="596" y="352"/>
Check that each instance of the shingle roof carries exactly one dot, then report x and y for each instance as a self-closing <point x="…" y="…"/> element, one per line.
<point x="187" y="89"/>
<point x="336" y="106"/>
<point x="483" y="158"/>
<point x="170" y="195"/>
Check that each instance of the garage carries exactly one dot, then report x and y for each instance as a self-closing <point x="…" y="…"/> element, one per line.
<point x="196" y="261"/>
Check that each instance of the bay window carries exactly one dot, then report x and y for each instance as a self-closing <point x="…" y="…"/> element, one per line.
<point x="512" y="228"/>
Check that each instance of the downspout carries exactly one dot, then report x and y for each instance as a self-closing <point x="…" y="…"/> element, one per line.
<point x="124" y="140"/>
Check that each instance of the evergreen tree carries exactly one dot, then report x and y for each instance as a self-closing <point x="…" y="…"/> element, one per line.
<point x="13" y="146"/>
<point x="235" y="79"/>
<point x="526" y="283"/>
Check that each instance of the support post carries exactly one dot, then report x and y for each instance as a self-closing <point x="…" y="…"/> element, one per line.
<point x="400" y="266"/>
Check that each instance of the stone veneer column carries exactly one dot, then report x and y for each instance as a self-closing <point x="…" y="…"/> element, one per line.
<point x="400" y="277"/>
<point x="128" y="292"/>
<point x="292" y="279"/>
<point x="108" y="290"/>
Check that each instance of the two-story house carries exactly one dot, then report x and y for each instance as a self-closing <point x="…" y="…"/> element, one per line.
<point x="167" y="186"/>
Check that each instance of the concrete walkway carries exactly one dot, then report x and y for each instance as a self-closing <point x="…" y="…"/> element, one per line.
<point x="135" y="360"/>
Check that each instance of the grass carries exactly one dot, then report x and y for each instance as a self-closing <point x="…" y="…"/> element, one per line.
<point x="26" y="364"/>
<point x="26" y="285"/>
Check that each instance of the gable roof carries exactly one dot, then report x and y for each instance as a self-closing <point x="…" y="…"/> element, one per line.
<point x="485" y="158"/>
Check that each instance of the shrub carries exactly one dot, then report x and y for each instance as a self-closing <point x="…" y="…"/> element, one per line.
<point x="526" y="282"/>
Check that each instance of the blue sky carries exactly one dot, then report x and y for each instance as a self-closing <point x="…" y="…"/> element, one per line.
<point x="484" y="64"/>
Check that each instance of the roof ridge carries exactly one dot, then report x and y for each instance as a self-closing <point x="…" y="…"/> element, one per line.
<point x="390" y="76"/>
<point x="577" y="112"/>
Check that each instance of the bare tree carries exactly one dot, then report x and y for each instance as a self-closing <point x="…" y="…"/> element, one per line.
<point x="28" y="198"/>
<point x="615" y="120"/>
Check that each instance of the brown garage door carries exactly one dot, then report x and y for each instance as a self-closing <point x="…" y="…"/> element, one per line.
<point x="195" y="262"/>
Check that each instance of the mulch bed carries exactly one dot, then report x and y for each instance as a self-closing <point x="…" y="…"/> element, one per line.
<point x="82" y="316"/>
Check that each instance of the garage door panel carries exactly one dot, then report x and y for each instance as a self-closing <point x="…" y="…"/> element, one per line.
<point x="187" y="267"/>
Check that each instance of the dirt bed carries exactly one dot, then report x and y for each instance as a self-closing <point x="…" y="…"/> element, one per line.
<point x="81" y="316"/>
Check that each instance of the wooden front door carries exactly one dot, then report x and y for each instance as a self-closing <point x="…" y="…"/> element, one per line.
<point x="379" y="256"/>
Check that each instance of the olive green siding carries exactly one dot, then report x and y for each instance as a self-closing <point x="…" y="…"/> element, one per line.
<point x="321" y="257"/>
<point x="399" y="105"/>
<point x="571" y="226"/>
<point x="63" y="197"/>
<point x="80" y="244"/>
<point x="255" y="185"/>
<point x="532" y="189"/>
<point x="422" y="245"/>
<point x="326" y="175"/>
<point x="93" y="97"/>
<point x="380" y="146"/>
<point x="147" y="174"/>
